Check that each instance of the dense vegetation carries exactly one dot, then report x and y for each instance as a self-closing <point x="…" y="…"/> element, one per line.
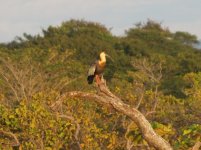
<point x="154" y="70"/>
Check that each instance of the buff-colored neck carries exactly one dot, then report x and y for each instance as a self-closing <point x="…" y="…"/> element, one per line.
<point x="102" y="60"/>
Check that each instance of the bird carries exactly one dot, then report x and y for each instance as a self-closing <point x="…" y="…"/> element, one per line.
<point x="96" y="69"/>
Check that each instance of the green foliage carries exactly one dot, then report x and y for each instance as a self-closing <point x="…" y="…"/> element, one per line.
<point x="153" y="69"/>
<point x="35" y="126"/>
<point x="189" y="136"/>
<point x="185" y="38"/>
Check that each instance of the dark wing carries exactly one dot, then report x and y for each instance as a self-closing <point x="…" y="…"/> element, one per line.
<point x="91" y="73"/>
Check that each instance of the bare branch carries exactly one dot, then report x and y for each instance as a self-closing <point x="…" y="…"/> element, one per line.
<point x="149" y="69"/>
<point x="74" y="121"/>
<point x="10" y="68"/>
<point x="153" y="72"/>
<point x="139" y="101"/>
<point x="129" y="143"/>
<point x="196" y="146"/>
<point x="105" y="97"/>
<point x="150" y="113"/>
<point x="17" y="143"/>
<point x="10" y="85"/>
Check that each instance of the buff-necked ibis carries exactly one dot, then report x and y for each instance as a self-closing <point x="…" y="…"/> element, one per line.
<point x="96" y="69"/>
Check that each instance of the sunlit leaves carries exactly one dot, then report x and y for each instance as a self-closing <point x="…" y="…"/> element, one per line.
<point x="42" y="68"/>
<point x="165" y="131"/>
<point x="189" y="136"/>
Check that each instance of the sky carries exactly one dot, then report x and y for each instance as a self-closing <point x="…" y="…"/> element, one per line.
<point x="31" y="16"/>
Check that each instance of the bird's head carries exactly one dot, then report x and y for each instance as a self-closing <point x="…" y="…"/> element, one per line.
<point x="103" y="56"/>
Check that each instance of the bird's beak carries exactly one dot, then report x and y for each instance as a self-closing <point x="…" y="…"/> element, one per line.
<point x="109" y="57"/>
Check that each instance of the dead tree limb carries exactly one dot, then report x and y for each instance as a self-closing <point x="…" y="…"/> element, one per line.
<point x="76" y="134"/>
<point x="10" y="134"/>
<point x="196" y="146"/>
<point x="105" y="97"/>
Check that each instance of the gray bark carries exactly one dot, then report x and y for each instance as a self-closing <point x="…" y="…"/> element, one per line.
<point x="105" y="97"/>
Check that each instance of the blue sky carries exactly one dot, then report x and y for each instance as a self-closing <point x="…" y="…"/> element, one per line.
<point x="31" y="16"/>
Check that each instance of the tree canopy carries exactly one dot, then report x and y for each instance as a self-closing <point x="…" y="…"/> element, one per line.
<point x="154" y="70"/>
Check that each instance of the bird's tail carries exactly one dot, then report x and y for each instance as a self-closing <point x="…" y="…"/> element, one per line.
<point x="90" y="79"/>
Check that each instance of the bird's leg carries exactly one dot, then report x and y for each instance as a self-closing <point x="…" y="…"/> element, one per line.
<point x="103" y="81"/>
<point x="98" y="80"/>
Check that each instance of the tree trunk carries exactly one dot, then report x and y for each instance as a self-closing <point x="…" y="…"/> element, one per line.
<point x="105" y="97"/>
<point x="196" y="146"/>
